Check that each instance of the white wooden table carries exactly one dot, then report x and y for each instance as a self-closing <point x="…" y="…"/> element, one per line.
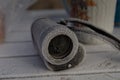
<point x="19" y="60"/>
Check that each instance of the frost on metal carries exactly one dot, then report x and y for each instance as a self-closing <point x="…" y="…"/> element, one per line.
<point x="56" y="44"/>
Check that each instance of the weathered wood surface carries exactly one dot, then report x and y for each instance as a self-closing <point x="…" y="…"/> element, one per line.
<point x="19" y="61"/>
<point x="30" y="66"/>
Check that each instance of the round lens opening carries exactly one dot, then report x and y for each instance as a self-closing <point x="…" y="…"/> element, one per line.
<point x="60" y="46"/>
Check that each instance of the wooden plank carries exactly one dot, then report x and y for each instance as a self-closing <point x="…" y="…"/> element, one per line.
<point x="28" y="67"/>
<point x="16" y="44"/>
<point x="115" y="76"/>
<point x="25" y="35"/>
<point x="16" y="36"/>
<point x="26" y="48"/>
<point x="17" y="49"/>
<point x="20" y="44"/>
<point x="72" y="77"/>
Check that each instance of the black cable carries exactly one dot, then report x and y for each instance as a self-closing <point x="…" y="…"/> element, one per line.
<point x="96" y="31"/>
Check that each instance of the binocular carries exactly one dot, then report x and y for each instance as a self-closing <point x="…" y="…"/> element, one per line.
<point x="58" y="45"/>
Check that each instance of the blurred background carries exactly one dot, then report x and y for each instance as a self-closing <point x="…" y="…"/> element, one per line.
<point x="58" y="4"/>
<point x="48" y="4"/>
<point x="19" y="14"/>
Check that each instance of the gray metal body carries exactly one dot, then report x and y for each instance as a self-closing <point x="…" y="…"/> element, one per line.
<point x="44" y="32"/>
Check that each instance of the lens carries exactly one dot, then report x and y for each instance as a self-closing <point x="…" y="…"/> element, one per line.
<point x="60" y="47"/>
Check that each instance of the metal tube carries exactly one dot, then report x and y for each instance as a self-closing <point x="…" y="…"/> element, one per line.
<point x="57" y="45"/>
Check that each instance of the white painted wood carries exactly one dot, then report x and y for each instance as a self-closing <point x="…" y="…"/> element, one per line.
<point x="12" y="49"/>
<point x="115" y="76"/>
<point x="20" y="44"/>
<point x="72" y="77"/>
<point x="17" y="49"/>
<point x="22" y="34"/>
<point x="32" y="66"/>
<point x="18" y="36"/>
<point x="19" y="61"/>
